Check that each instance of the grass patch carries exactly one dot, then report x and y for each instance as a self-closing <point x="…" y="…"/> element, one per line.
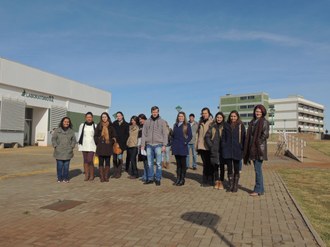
<point x="310" y="188"/>
<point x="322" y="146"/>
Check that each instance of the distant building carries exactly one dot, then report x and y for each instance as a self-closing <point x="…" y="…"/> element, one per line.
<point x="296" y="114"/>
<point x="33" y="102"/>
<point x="243" y="103"/>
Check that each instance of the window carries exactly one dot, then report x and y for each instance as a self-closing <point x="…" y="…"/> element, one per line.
<point x="250" y="106"/>
<point x="250" y="115"/>
<point x="251" y="97"/>
<point x="243" y="107"/>
<point x="243" y="98"/>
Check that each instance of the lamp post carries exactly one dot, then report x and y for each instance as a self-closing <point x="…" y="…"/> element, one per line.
<point x="178" y="108"/>
<point x="272" y="112"/>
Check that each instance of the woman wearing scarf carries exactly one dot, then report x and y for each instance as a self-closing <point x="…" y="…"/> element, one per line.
<point x="232" y="145"/>
<point x="87" y="145"/>
<point x="213" y="141"/>
<point x="181" y="136"/>
<point x="104" y="138"/>
<point x="256" y="145"/>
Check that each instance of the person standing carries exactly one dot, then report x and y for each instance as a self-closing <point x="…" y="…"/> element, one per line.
<point x="180" y="138"/>
<point x="191" y="145"/>
<point x="213" y="141"/>
<point x="154" y="140"/>
<point x="232" y="145"/>
<point x="87" y="145"/>
<point x="141" y="156"/>
<point x="104" y="137"/>
<point x="202" y="148"/>
<point x="122" y="131"/>
<point x="63" y="141"/>
<point x="256" y="146"/>
<point x="132" y="147"/>
<point x="166" y="154"/>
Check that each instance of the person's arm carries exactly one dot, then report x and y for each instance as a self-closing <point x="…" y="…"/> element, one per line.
<point x="73" y="140"/>
<point x="165" y="136"/>
<point x="208" y="137"/>
<point x="96" y="135"/>
<point x="79" y="131"/>
<point x="189" y="137"/>
<point x="143" y="138"/>
<point x="54" y="138"/>
<point x="243" y="136"/>
<point x="265" y="131"/>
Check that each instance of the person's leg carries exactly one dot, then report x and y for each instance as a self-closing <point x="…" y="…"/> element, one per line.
<point x="188" y="156"/>
<point x="86" y="168"/>
<point x="128" y="159"/>
<point x="210" y="168"/>
<point x="204" y="160"/>
<point x="158" y="153"/>
<point x="101" y="167"/>
<point x="178" y="170"/>
<point x="107" y="168"/>
<point x="194" y="155"/>
<point x="150" y="158"/>
<point x="146" y="169"/>
<point x="59" y="169"/>
<point x="222" y="175"/>
<point x="236" y="175"/>
<point x="259" y="187"/>
<point x="229" y="163"/>
<point x="183" y="169"/>
<point x="66" y="165"/>
<point x="120" y="163"/>
<point x="216" y="176"/>
<point x="168" y="153"/>
<point x="240" y="166"/>
<point x="133" y="154"/>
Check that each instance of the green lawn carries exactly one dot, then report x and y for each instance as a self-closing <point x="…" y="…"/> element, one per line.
<point x="322" y="146"/>
<point x="311" y="189"/>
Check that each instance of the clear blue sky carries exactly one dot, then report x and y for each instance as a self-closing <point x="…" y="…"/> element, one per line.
<point x="170" y="53"/>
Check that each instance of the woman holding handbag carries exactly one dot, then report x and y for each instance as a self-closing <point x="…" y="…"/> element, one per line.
<point x="132" y="147"/>
<point x="105" y="136"/>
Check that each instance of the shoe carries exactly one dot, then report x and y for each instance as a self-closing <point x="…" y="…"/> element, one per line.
<point x="148" y="182"/>
<point x="230" y="183"/>
<point x="131" y="177"/>
<point x="216" y="184"/>
<point x="194" y="168"/>
<point x="254" y="194"/>
<point x="66" y="181"/>
<point x="157" y="182"/>
<point x="59" y="181"/>
<point x="106" y="173"/>
<point x="181" y="183"/>
<point x="86" y="169"/>
<point x="236" y="179"/>
<point x="163" y="164"/>
<point x="101" y="171"/>
<point x="220" y="186"/>
<point x="167" y="164"/>
<point x="91" y="173"/>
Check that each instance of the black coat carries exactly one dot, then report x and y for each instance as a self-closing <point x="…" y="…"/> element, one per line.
<point x="122" y="132"/>
<point x="232" y="141"/>
<point x="103" y="148"/>
<point x="213" y="142"/>
<point x="180" y="141"/>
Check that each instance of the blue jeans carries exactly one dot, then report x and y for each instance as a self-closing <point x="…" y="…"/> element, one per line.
<point x="166" y="154"/>
<point x="259" y="187"/>
<point x="154" y="152"/>
<point x="62" y="169"/>
<point x="145" y="170"/>
<point x="240" y="165"/>
<point x="194" y="155"/>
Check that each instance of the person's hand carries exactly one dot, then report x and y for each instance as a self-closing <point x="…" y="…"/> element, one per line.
<point x="163" y="149"/>
<point x="142" y="147"/>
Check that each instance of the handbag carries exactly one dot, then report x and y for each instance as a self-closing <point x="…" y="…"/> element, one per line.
<point x="96" y="160"/>
<point x="116" y="148"/>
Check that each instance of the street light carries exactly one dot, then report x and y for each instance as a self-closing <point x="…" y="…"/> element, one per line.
<point x="178" y="108"/>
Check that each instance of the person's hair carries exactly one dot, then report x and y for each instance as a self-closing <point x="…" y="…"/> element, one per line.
<point x="263" y="111"/>
<point x="135" y="118"/>
<point x="154" y="108"/>
<point x="89" y="113"/>
<point x="201" y="118"/>
<point x="121" y="113"/>
<point x="191" y="115"/>
<point x="219" y="113"/>
<point x="185" y="124"/>
<point x="142" y="116"/>
<point x="62" y="120"/>
<point x="233" y="112"/>
<point x="105" y="113"/>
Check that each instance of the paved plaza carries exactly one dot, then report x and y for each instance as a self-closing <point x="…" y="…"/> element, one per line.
<point x="125" y="212"/>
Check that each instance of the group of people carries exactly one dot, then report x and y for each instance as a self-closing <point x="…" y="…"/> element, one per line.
<point x="218" y="141"/>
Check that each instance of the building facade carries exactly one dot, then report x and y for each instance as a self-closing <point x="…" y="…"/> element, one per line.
<point x="32" y="103"/>
<point x="296" y="114"/>
<point x="243" y="103"/>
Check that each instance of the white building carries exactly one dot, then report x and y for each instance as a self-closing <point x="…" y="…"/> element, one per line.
<point x="33" y="102"/>
<point x="296" y="113"/>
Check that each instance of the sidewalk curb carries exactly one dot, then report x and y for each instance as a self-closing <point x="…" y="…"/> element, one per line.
<point x="316" y="236"/>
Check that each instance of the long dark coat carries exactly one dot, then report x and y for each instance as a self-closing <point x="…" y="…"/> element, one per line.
<point x="180" y="141"/>
<point x="103" y="148"/>
<point x="122" y="132"/>
<point x="232" y="141"/>
<point x="213" y="141"/>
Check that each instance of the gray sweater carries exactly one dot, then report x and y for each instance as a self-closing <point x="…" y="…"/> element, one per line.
<point x="154" y="132"/>
<point x="63" y="143"/>
<point x="194" y="128"/>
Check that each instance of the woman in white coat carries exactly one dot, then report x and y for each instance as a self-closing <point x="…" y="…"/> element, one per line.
<point x="87" y="145"/>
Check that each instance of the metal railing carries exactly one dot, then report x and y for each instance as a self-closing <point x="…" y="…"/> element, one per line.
<point x="291" y="145"/>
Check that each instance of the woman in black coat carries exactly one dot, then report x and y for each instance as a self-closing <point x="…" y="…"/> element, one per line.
<point x="256" y="145"/>
<point x="213" y="141"/>
<point x="104" y="137"/>
<point x="232" y="145"/>
<point x="122" y="130"/>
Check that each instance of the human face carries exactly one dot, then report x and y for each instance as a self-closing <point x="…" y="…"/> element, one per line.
<point x="233" y="118"/>
<point x="141" y="121"/>
<point x="133" y="122"/>
<point x="181" y="117"/>
<point x="219" y="119"/>
<point x="104" y="118"/>
<point x="66" y="123"/>
<point x="205" y="114"/>
<point x="191" y="119"/>
<point x="155" y="113"/>
<point x="89" y="118"/>
<point x="119" y="117"/>
<point x="258" y="113"/>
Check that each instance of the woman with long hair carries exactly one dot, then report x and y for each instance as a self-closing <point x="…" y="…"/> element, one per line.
<point x="181" y="136"/>
<point x="256" y="146"/>
<point x="201" y="147"/>
<point x="232" y="145"/>
<point x="132" y="147"/>
<point x="63" y="141"/>
<point x="104" y="137"/>
<point x="213" y="141"/>
<point x="142" y="156"/>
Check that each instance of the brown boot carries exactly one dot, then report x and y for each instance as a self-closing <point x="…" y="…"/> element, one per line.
<point x="163" y="164"/>
<point x="216" y="184"/>
<point x="120" y="167"/>
<point x="101" y="170"/>
<point x="86" y="172"/>
<point x="220" y="187"/>
<point x="106" y="173"/>
<point x="167" y="164"/>
<point x="91" y="172"/>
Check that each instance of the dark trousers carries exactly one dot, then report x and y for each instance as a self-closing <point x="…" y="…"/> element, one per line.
<point x="232" y="164"/>
<point x="104" y="160"/>
<point x="206" y="158"/>
<point x="132" y="162"/>
<point x="181" y="166"/>
<point x="219" y="175"/>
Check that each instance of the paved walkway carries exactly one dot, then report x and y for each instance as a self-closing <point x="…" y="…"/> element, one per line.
<point x="125" y="212"/>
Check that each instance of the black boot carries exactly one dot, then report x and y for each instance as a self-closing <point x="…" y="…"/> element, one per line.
<point x="178" y="175"/>
<point x="183" y="176"/>
<point x="204" y="182"/>
<point x="230" y="182"/>
<point x="235" y="186"/>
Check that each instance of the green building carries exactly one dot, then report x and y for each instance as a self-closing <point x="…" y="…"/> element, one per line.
<point x="243" y="103"/>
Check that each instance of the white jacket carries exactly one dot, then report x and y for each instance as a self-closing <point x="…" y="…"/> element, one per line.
<point x="88" y="139"/>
